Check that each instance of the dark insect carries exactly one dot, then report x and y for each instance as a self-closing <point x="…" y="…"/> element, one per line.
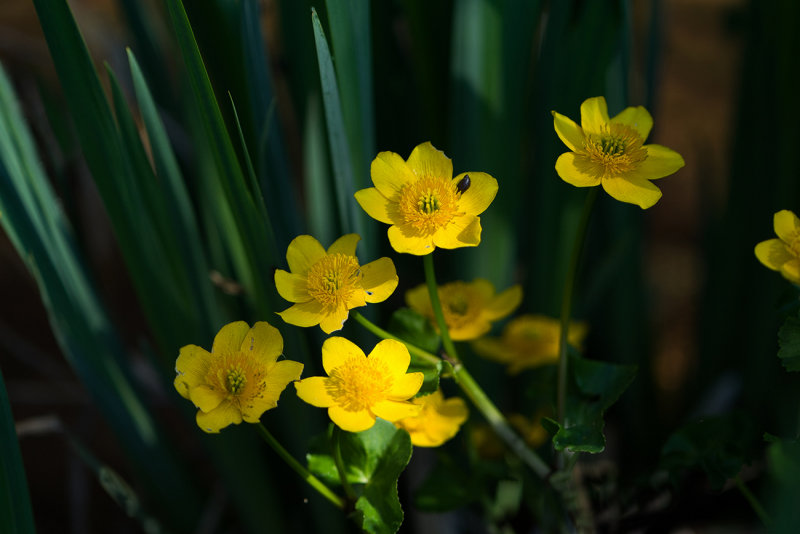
<point x="463" y="184"/>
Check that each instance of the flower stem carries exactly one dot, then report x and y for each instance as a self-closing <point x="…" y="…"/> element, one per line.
<point x="304" y="473"/>
<point x="436" y="304"/>
<point x="471" y="388"/>
<point x="753" y="500"/>
<point x="337" y="459"/>
<point x="566" y="301"/>
<point x="381" y="333"/>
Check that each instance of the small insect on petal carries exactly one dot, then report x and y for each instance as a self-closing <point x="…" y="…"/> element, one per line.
<point x="463" y="184"/>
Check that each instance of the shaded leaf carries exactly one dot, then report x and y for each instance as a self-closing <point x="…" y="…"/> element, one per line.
<point x="789" y="343"/>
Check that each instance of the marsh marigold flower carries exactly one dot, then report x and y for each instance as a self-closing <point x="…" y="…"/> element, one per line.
<point x="612" y="153"/>
<point x="437" y="421"/>
<point x="469" y="307"/>
<point x="783" y="254"/>
<point x="360" y="388"/>
<point x="533" y="433"/>
<point x="528" y="341"/>
<point x="424" y="204"/>
<point x="326" y="285"/>
<point x="239" y="379"/>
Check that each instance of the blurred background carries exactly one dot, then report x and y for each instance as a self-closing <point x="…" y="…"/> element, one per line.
<point x="676" y="289"/>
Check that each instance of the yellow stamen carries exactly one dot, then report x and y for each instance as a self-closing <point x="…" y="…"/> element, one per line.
<point x="333" y="279"/>
<point x="613" y="152"/>
<point x="359" y="383"/>
<point x="429" y="203"/>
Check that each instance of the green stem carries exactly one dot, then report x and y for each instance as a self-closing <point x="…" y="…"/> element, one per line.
<point x="313" y="481"/>
<point x="380" y="332"/>
<point x="337" y="458"/>
<point x="436" y="304"/>
<point x="471" y="388"/>
<point x="566" y="301"/>
<point x="754" y="503"/>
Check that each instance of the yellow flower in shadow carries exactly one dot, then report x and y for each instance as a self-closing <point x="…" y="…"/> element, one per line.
<point x="783" y="254"/>
<point x="239" y="379"/>
<point x="360" y="388"/>
<point x="488" y="445"/>
<point x="424" y="204"/>
<point x="528" y="341"/>
<point x="469" y="307"/>
<point x="438" y="420"/>
<point x="612" y="153"/>
<point x="326" y="285"/>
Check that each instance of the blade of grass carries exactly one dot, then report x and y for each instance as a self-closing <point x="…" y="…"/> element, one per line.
<point x="16" y="516"/>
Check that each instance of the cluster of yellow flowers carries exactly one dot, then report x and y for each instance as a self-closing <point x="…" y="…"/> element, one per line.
<point x="426" y="207"/>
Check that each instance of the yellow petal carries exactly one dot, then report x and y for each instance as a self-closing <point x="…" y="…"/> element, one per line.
<point x="464" y="231"/>
<point x="632" y="190"/>
<point x="215" y="420"/>
<point x="334" y="320"/>
<point x="425" y="160"/>
<point x="303" y="314"/>
<point x="576" y="333"/>
<point x="419" y="300"/>
<point x="380" y="279"/>
<point x="573" y="169"/>
<point x="277" y="379"/>
<point x="406" y="386"/>
<point x="491" y="348"/>
<point x="191" y="368"/>
<point x="356" y="299"/>
<point x="594" y="115"/>
<point x="207" y="398"/>
<point x="345" y="245"/>
<point x="376" y="205"/>
<point x="263" y="341"/>
<point x="471" y="330"/>
<point x="482" y="288"/>
<point x="292" y="287"/>
<point x="394" y="356"/>
<point x="351" y="421"/>
<point x="791" y="271"/>
<point x="480" y="193"/>
<point x="390" y="173"/>
<point x="637" y="118"/>
<point x="661" y="161"/>
<point x="336" y="350"/>
<point x="394" y="410"/>
<point x="787" y="225"/>
<point x="303" y="252"/>
<point x="406" y="240"/>
<point x="313" y="390"/>
<point x="773" y="253"/>
<point x="504" y="303"/>
<point x="454" y="409"/>
<point x="230" y="337"/>
<point x="568" y="131"/>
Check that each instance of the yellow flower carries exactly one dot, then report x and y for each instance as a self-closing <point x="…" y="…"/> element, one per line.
<point x="533" y="433"/>
<point x="325" y="286"/>
<point x="612" y="153"/>
<point x="528" y="341"/>
<point x="425" y="205"/>
<point x="783" y="254"/>
<point x="359" y="388"/>
<point x="437" y="422"/>
<point x="239" y="379"/>
<point x="468" y="308"/>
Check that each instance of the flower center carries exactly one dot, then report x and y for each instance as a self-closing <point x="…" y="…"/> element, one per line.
<point x="334" y="279"/>
<point x="236" y="380"/>
<point x="794" y="246"/>
<point x="615" y="151"/>
<point x="460" y="305"/>
<point x="359" y="383"/>
<point x="238" y="374"/>
<point x="429" y="203"/>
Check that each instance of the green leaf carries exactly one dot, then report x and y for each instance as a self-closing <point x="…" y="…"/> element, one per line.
<point x="15" y="505"/>
<point x="410" y="326"/>
<point x="789" y="343"/>
<point x="594" y="386"/>
<point x="374" y="460"/>
<point x="447" y="487"/>
<point x="717" y="445"/>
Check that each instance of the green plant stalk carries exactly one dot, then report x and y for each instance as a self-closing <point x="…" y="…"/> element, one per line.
<point x="753" y="500"/>
<point x="471" y="388"/>
<point x="304" y="473"/>
<point x="380" y="332"/>
<point x="337" y="459"/>
<point x="566" y="301"/>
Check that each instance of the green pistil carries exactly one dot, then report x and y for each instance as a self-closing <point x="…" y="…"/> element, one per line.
<point x="428" y="203"/>
<point x="236" y="380"/>
<point x="612" y="146"/>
